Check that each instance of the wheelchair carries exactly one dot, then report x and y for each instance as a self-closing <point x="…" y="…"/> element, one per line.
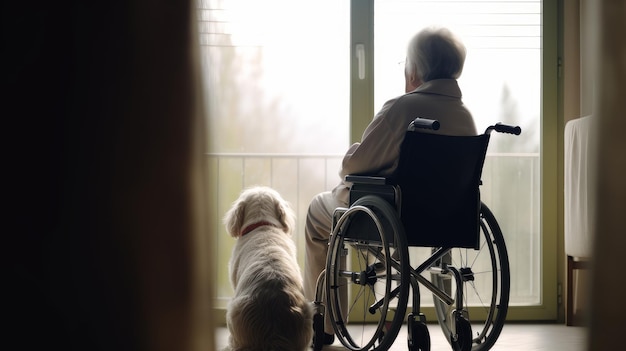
<point x="432" y="201"/>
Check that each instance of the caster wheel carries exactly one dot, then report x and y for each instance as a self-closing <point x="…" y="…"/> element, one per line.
<point x="318" y="332"/>
<point x="419" y="337"/>
<point x="463" y="339"/>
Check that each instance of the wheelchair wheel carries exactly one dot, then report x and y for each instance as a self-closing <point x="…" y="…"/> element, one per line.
<point x="367" y="275"/>
<point x="418" y="338"/>
<point x="486" y="286"/>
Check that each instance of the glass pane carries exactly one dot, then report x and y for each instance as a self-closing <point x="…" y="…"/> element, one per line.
<point x="278" y="94"/>
<point x="501" y="82"/>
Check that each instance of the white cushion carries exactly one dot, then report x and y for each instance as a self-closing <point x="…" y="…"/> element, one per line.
<point x="579" y="213"/>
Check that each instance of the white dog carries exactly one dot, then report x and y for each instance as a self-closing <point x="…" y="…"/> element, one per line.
<point x="268" y="311"/>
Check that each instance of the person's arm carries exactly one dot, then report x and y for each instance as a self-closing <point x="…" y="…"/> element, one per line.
<point x="376" y="151"/>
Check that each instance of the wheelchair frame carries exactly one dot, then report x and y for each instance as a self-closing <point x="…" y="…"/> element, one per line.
<point x="380" y="273"/>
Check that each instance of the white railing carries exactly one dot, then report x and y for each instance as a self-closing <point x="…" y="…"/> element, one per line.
<point x="511" y="188"/>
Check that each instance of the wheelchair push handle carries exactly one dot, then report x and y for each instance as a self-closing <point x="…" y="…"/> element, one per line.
<point x="423" y="123"/>
<point x="504" y="128"/>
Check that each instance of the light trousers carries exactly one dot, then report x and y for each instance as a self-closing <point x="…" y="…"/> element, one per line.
<point x="317" y="232"/>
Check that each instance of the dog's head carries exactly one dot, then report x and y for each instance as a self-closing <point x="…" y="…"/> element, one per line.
<point x="256" y="205"/>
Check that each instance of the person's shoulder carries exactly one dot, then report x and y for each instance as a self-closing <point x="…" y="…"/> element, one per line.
<point x="407" y="96"/>
<point x="410" y="98"/>
<point x="393" y="100"/>
<point x="388" y="105"/>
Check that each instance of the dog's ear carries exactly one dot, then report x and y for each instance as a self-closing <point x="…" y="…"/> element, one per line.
<point x="285" y="215"/>
<point x="233" y="220"/>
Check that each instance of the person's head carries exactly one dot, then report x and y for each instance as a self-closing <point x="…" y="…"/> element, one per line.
<point x="433" y="53"/>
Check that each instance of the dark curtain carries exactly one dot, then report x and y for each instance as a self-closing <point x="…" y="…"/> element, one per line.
<point x="103" y="177"/>
<point x="606" y="321"/>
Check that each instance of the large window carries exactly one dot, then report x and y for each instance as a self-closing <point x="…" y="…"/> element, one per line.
<point x="278" y="79"/>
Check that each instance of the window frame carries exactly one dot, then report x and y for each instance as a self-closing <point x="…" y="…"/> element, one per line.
<point x="362" y="110"/>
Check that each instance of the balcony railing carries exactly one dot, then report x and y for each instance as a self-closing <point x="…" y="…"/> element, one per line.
<point x="511" y="188"/>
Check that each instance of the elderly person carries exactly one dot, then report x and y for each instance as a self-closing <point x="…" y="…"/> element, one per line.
<point x="434" y="61"/>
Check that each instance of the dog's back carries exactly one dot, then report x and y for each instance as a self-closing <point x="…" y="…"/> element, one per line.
<point x="274" y="316"/>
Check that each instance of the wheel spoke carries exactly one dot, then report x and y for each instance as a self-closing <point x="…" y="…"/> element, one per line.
<point x="488" y="289"/>
<point x="370" y="280"/>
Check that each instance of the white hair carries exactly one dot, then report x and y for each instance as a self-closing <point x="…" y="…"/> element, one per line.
<point x="435" y="53"/>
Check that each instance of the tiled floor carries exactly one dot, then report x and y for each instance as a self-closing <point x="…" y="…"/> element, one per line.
<point x="527" y="337"/>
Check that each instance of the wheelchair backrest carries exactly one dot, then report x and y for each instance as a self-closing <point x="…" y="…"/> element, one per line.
<point x="439" y="179"/>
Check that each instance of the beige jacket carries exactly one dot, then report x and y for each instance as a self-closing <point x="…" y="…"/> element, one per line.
<point x="379" y="149"/>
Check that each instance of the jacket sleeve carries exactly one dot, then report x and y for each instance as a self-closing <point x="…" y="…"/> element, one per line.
<point x="375" y="151"/>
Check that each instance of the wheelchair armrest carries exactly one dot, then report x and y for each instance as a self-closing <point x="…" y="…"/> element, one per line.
<point x="382" y="187"/>
<point x="362" y="179"/>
